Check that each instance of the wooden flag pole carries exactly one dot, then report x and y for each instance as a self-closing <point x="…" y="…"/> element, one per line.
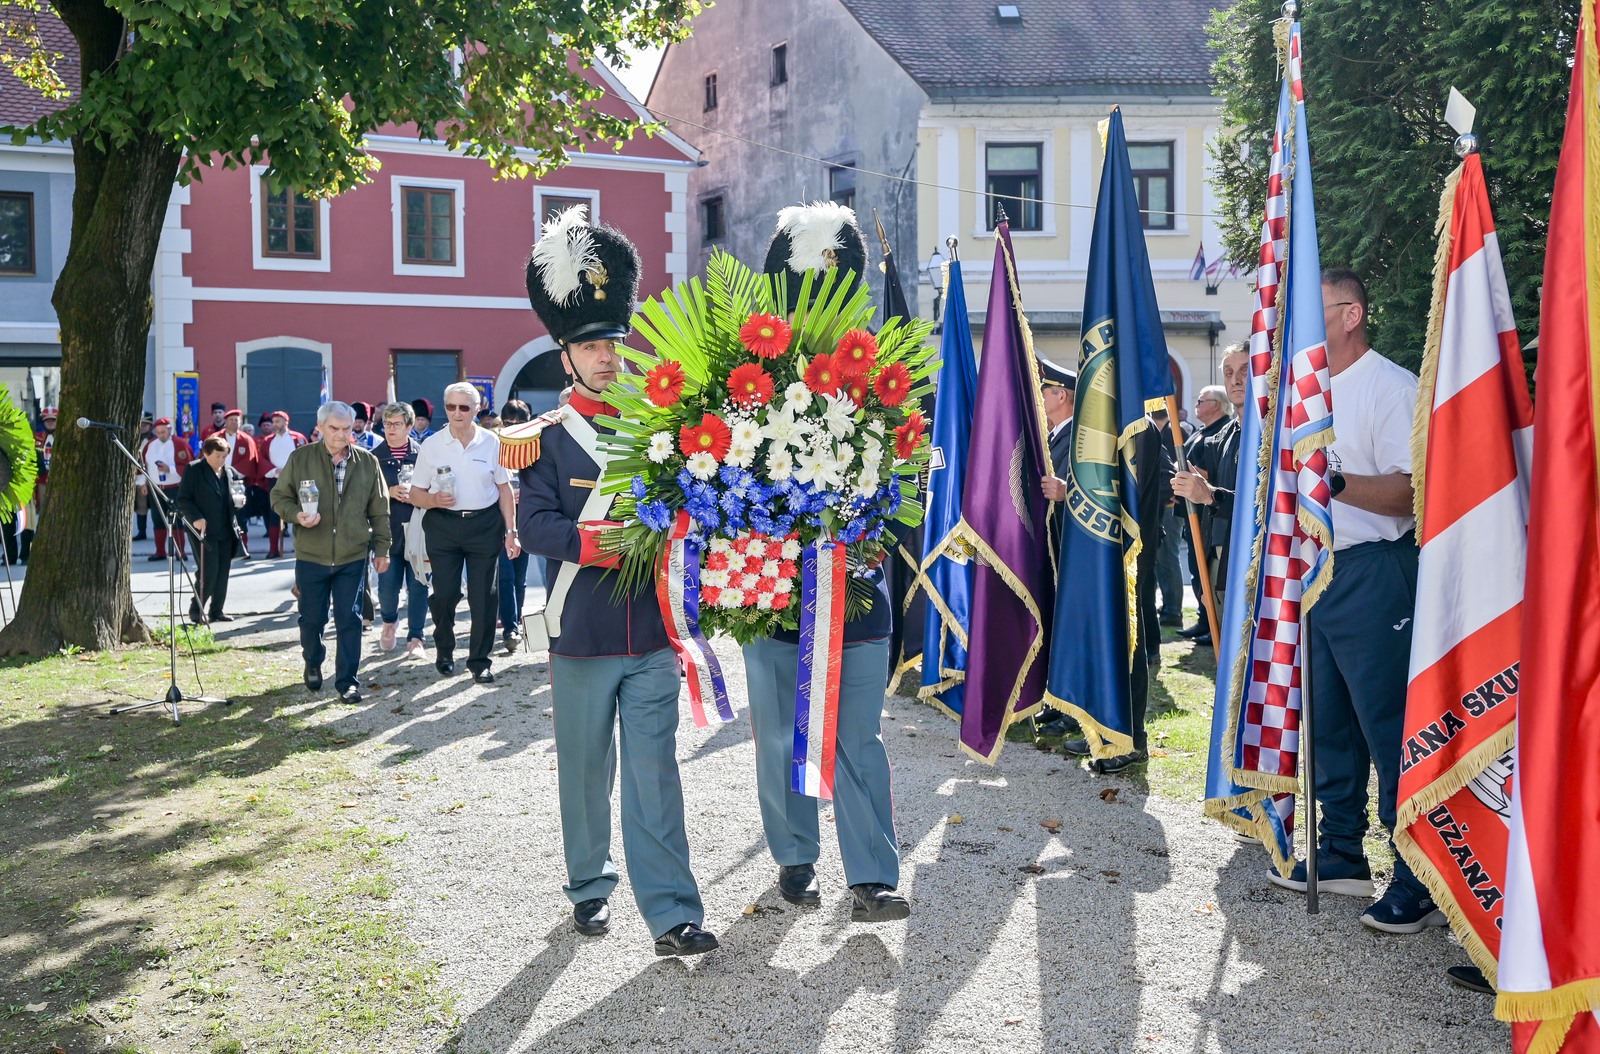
<point x="1202" y="560"/>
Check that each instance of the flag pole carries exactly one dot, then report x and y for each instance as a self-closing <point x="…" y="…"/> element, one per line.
<point x="1202" y="560"/>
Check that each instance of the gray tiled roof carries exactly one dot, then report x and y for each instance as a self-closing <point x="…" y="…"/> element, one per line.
<point x="1061" y="47"/>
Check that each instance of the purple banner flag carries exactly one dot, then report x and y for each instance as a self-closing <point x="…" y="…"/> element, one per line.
<point x="1004" y="519"/>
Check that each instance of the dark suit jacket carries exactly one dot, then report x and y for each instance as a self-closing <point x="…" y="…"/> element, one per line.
<point x="203" y="495"/>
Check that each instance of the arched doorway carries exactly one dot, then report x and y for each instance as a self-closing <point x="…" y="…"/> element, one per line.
<point x="533" y="374"/>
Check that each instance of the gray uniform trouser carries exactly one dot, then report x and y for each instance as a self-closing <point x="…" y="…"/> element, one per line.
<point x="593" y="696"/>
<point x="863" y="806"/>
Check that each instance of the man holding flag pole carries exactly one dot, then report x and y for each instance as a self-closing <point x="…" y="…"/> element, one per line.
<point x="1098" y="670"/>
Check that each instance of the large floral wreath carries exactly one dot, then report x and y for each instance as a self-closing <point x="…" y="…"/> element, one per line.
<point x="757" y="437"/>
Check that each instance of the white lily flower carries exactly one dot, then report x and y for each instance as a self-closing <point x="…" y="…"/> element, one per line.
<point x="701" y="465"/>
<point x="839" y="417"/>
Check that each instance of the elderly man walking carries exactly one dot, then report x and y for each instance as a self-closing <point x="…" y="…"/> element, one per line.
<point x="470" y="512"/>
<point x="351" y="513"/>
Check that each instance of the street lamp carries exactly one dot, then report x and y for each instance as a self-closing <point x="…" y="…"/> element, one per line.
<point x="935" y="269"/>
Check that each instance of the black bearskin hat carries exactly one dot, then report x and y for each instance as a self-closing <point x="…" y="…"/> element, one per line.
<point x="583" y="280"/>
<point x="816" y="237"/>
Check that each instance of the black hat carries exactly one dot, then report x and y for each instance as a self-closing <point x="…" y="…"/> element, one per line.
<point x="362" y="410"/>
<point x="422" y="408"/>
<point x="582" y="279"/>
<point x="219" y="406"/>
<point x="816" y="237"/>
<point x="1053" y="375"/>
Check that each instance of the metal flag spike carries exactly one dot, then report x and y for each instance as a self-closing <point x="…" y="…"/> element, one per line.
<point x="1459" y="115"/>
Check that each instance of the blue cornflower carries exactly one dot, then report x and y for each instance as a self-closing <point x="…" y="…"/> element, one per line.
<point x="637" y="488"/>
<point x="655" y="515"/>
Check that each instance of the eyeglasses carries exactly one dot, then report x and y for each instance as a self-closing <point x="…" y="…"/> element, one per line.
<point x="458" y="409"/>
<point x="1342" y="303"/>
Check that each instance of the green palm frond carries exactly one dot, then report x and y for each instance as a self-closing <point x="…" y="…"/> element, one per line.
<point x="18" y="463"/>
<point x="678" y="324"/>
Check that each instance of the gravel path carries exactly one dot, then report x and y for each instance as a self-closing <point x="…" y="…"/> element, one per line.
<point x="1145" y="929"/>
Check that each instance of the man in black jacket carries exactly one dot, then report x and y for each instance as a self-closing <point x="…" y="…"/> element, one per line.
<point x="1212" y="470"/>
<point x="610" y="660"/>
<point x="1213" y="410"/>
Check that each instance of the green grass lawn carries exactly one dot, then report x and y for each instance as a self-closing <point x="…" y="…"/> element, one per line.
<point x="205" y="887"/>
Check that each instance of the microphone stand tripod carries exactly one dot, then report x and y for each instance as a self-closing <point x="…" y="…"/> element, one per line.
<point x="176" y="522"/>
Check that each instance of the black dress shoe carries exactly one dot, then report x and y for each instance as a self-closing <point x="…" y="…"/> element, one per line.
<point x="1199" y="629"/>
<point x="445" y="666"/>
<point x="1203" y="641"/>
<point x="220" y="617"/>
<point x="797" y="883"/>
<point x="484" y="677"/>
<point x="313" y="678"/>
<point x="351" y="694"/>
<point x="195" y="614"/>
<point x="1471" y="978"/>
<point x="1120" y="762"/>
<point x="875" y="902"/>
<point x="686" y="939"/>
<point x="592" y="918"/>
<point x="152" y="558"/>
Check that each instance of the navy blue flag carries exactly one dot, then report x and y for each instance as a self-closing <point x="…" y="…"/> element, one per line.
<point x="946" y="575"/>
<point x="1122" y="363"/>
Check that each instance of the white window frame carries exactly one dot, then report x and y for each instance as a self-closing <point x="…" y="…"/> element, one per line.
<point x="397" y="206"/>
<point x="1178" y="136"/>
<point x="1047" y="178"/>
<point x="541" y="192"/>
<point x="322" y="262"/>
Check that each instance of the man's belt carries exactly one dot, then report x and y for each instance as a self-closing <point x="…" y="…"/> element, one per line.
<point x="466" y="514"/>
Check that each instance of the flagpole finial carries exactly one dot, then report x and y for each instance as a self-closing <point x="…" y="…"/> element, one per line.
<point x="950" y="243"/>
<point x="1291" y="9"/>
<point x="1466" y="145"/>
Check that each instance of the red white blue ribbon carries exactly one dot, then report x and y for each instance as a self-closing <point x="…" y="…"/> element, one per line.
<point x="678" y="592"/>
<point x="816" y="709"/>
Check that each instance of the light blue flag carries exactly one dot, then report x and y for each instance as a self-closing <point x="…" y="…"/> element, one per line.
<point x="947" y="582"/>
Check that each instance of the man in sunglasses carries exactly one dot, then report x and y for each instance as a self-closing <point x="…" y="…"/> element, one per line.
<point x="470" y="515"/>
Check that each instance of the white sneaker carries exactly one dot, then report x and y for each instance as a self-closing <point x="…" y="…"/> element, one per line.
<point x="386" y="640"/>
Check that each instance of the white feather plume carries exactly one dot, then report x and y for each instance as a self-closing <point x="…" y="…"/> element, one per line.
<point x="814" y="230"/>
<point x="566" y="249"/>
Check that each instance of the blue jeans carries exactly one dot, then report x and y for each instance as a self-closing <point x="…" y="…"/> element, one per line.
<point x="342" y="584"/>
<point x="513" y="587"/>
<point x="389" y="597"/>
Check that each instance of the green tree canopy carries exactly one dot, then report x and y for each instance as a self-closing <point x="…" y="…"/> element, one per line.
<point x="1377" y="75"/>
<point x="170" y="87"/>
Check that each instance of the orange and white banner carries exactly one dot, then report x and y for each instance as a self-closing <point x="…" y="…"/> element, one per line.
<point x="1472" y="445"/>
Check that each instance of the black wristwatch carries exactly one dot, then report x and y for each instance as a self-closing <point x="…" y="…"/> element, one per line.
<point x="1335" y="482"/>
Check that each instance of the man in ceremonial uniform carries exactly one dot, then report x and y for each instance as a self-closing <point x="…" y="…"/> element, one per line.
<point x="217" y="423"/>
<point x="165" y="459"/>
<point x="610" y="660"/>
<point x="243" y="460"/>
<point x="1057" y="388"/>
<point x="141" y="493"/>
<point x="272" y="454"/>
<point x="863" y="805"/>
<point x="363" y="436"/>
<point x="465" y="525"/>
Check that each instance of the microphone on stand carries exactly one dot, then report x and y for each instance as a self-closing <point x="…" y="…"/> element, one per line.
<point x="84" y="422"/>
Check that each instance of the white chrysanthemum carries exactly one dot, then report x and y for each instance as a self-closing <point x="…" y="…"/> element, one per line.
<point x="769" y="569"/>
<point x="730" y="598"/>
<point x="780" y="464"/>
<point x="660" y="447"/>
<point x="749" y="581"/>
<point x="701" y="465"/>
<point x="791" y="549"/>
<point x="714" y="578"/>
<point x="796" y="397"/>
<point x="764" y="601"/>
<point x="839" y="417"/>
<point x="740" y="455"/>
<point x="745" y="432"/>
<point x="721" y="545"/>
<point x="785" y="585"/>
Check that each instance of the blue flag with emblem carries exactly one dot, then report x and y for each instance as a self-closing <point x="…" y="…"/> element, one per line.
<point x="946" y="576"/>
<point x="1122" y="363"/>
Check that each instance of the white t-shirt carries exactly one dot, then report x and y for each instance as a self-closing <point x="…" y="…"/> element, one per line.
<point x="1374" y="404"/>
<point x="279" y="447"/>
<point x="476" y="466"/>
<point x="164" y="451"/>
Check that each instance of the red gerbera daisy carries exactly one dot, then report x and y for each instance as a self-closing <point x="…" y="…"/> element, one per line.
<point x="856" y="389"/>
<point x="765" y="336"/>
<point x="906" y="439"/>
<point x="663" y="385"/>
<point x="822" y="376"/>
<point x="750" y="385"/>
<point x="917" y="421"/>
<point x="893" y="384"/>
<point x="855" y="353"/>
<point x="711" y="436"/>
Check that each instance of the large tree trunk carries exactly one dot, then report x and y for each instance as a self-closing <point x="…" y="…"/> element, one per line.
<point x="77" y="590"/>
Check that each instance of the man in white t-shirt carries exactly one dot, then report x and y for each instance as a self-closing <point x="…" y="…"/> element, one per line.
<point x="1360" y="630"/>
